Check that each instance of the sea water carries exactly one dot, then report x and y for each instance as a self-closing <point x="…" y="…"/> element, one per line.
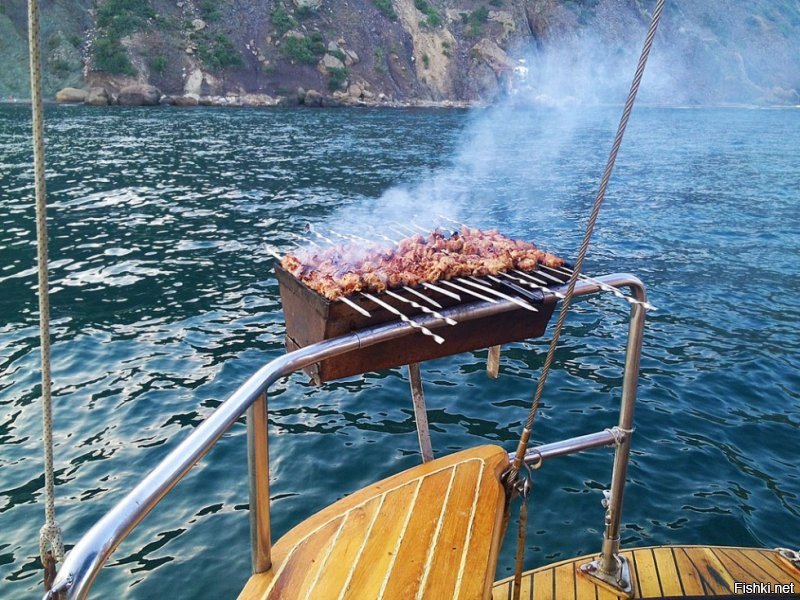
<point x="163" y="301"/>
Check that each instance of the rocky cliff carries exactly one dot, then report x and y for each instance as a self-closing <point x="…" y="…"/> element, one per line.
<point x="373" y="51"/>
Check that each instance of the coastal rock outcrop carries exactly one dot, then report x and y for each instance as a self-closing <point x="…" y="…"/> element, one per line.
<point x="312" y="98"/>
<point x="97" y="96"/>
<point x="308" y="4"/>
<point x="186" y="100"/>
<point x="71" y="95"/>
<point x="139" y="94"/>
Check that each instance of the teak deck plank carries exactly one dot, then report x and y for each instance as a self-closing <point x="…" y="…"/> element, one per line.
<point x="433" y="531"/>
<point x="446" y="559"/>
<point x="663" y="571"/>
<point x="690" y="578"/>
<point x="647" y="574"/>
<point x="668" y="571"/>
<point x="775" y="568"/>
<point x="565" y="582"/>
<point x="380" y="551"/>
<point x="542" y="585"/>
<point x="716" y="578"/>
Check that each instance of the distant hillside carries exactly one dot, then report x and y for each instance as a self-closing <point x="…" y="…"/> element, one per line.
<point x="410" y="50"/>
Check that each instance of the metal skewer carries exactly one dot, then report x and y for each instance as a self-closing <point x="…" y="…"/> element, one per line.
<point x="436" y="338"/>
<point x="436" y="288"/>
<point x="451" y="220"/>
<point x="424" y="309"/>
<point x="605" y="287"/>
<point x="401" y="232"/>
<point x="518" y="289"/>
<point x="353" y="238"/>
<point x="322" y="237"/>
<point x="355" y="306"/>
<point x="382" y="236"/>
<point x="406" y="228"/>
<point x="540" y="281"/>
<point x="545" y="275"/>
<point x="274" y="253"/>
<point x="530" y="284"/>
<point x="468" y="291"/>
<point x="419" y="294"/>
<point x="304" y="239"/>
<point x="422" y="229"/>
<point x="489" y="290"/>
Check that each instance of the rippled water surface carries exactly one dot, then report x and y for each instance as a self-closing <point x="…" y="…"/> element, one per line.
<point x="163" y="302"/>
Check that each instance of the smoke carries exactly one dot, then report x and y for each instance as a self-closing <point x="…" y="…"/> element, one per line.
<point x="508" y="165"/>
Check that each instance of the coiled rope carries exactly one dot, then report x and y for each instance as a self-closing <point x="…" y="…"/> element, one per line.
<point x="51" y="545"/>
<point x="512" y="475"/>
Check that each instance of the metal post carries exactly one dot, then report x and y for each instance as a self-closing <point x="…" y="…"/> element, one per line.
<point x="258" y="468"/>
<point x="493" y="362"/>
<point x="611" y="568"/>
<point x="420" y="412"/>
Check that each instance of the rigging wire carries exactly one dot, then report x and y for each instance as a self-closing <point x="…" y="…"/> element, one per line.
<point x="521" y="488"/>
<point x="51" y="545"/>
<point x="576" y="272"/>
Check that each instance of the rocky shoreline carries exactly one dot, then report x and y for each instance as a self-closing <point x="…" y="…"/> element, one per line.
<point x="148" y="95"/>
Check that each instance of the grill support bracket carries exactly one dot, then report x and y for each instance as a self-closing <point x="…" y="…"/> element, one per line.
<point x="420" y="412"/>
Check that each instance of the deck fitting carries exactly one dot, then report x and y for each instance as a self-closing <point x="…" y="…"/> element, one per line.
<point x="790" y="557"/>
<point x="619" y="583"/>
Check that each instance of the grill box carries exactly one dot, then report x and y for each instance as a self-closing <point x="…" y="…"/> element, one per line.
<point x="311" y="318"/>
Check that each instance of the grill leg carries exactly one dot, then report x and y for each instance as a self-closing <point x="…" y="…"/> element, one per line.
<point x="420" y="412"/>
<point x="493" y="362"/>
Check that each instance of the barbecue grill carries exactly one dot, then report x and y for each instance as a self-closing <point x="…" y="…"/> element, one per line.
<point x="311" y="318"/>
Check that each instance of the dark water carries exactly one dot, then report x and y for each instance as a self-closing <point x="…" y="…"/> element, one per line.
<point x="163" y="302"/>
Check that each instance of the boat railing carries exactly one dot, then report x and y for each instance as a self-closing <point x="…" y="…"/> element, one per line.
<point x="83" y="563"/>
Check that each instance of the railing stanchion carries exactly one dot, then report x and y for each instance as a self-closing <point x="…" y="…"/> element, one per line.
<point x="258" y="469"/>
<point x="611" y="567"/>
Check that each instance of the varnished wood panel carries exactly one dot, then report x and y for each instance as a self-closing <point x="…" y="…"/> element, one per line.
<point x="646" y="573"/>
<point x="668" y="572"/>
<point x="777" y="569"/>
<point x="664" y="571"/>
<point x="543" y="585"/>
<point x="433" y="531"/>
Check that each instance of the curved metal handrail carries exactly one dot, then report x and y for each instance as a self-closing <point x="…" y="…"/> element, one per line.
<point x="84" y="561"/>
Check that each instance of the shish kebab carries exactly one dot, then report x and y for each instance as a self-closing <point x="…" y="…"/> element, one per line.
<point x="424" y="330"/>
<point x="562" y="269"/>
<point x="339" y="271"/>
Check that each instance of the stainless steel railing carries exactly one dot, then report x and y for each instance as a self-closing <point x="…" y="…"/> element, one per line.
<point x="83" y="563"/>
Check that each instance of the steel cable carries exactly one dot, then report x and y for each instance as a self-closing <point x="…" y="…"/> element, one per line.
<point x="598" y="203"/>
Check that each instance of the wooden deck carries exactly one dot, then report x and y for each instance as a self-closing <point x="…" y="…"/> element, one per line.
<point x="433" y="531"/>
<point x="663" y="571"/>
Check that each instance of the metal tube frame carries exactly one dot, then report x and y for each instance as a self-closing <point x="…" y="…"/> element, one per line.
<point x="611" y="568"/>
<point x="83" y="563"/>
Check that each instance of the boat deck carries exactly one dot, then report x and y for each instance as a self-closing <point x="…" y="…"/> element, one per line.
<point x="664" y="571"/>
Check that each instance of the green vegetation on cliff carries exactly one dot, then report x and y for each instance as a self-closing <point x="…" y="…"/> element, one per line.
<point x="117" y="19"/>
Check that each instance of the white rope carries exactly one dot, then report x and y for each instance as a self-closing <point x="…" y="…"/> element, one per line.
<point x="50" y="534"/>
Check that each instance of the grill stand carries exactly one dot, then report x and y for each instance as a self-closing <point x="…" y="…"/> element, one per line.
<point x="493" y="362"/>
<point x="420" y="412"/>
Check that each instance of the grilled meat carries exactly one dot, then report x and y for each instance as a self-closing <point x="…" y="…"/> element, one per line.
<point x="343" y="271"/>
